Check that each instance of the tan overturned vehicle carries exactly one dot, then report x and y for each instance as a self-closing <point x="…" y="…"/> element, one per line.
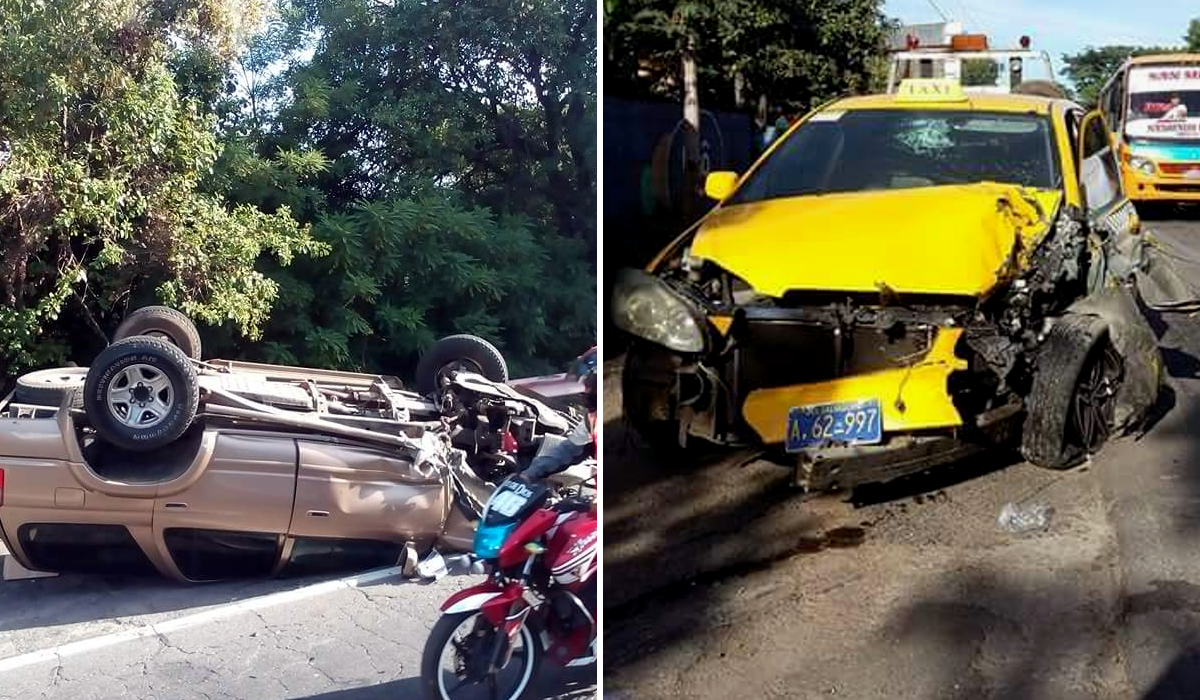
<point x="152" y="460"/>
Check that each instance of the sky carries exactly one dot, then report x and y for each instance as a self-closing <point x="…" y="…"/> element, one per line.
<point x="1059" y="26"/>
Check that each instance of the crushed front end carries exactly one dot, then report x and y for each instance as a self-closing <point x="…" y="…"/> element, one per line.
<point x="851" y="385"/>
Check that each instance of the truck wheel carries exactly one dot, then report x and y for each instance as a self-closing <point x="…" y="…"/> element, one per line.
<point x="141" y="393"/>
<point x="459" y="352"/>
<point x="165" y="323"/>
<point x="46" y="387"/>
<point x="1070" y="407"/>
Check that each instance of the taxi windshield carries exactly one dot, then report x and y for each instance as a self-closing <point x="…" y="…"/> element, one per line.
<point x="866" y="150"/>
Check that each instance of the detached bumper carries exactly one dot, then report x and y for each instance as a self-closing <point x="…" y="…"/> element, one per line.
<point x="912" y="398"/>
<point x="847" y="467"/>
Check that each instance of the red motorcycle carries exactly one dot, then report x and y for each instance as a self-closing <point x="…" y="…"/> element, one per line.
<point x="539" y="599"/>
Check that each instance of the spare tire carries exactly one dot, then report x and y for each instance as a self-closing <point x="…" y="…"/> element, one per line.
<point x="459" y="352"/>
<point x="141" y="393"/>
<point x="46" y="387"/>
<point x="165" y="323"/>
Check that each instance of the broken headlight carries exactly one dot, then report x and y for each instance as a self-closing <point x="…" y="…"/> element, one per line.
<point x="644" y="306"/>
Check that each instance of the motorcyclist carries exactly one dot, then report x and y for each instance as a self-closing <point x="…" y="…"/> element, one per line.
<point x="557" y="455"/>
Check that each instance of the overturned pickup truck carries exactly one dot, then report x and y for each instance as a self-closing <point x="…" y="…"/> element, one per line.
<point x="900" y="281"/>
<point x="152" y="460"/>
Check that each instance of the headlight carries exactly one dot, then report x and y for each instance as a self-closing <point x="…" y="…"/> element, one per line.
<point x="489" y="539"/>
<point x="646" y="307"/>
<point x="1145" y="166"/>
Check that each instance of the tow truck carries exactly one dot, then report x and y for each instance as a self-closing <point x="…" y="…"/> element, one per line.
<point x="947" y="61"/>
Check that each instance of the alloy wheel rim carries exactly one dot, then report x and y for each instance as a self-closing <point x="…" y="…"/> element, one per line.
<point x="141" y="396"/>
<point x="1094" y="402"/>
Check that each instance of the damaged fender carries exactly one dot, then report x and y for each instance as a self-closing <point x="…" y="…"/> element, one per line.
<point x="1134" y="340"/>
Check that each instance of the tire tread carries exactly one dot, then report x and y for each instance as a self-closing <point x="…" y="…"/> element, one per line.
<point x="1061" y="359"/>
<point x="164" y="319"/>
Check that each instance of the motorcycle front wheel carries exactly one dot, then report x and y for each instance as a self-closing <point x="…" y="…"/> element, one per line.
<point x="457" y="657"/>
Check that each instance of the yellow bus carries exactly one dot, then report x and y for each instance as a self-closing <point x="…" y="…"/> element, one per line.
<point x="1152" y="107"/>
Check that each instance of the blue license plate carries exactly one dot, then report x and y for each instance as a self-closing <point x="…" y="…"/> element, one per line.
<point x="849" y="423"/>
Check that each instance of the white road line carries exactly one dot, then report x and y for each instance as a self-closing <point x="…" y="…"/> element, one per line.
<point x="271" y="599"/>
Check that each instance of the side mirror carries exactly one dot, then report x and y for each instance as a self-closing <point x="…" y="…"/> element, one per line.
<point x="720" y="184"/>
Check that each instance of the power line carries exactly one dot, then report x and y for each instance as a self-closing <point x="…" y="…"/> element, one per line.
<point x="965" y="8"/>
<point x="939" y="10"/>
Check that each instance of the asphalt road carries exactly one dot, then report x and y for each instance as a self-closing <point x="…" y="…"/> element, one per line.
<point x="721" y="581"/>
<point x="346" y="644"/>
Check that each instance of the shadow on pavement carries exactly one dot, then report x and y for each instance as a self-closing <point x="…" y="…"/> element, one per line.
<point x="675" y="529"/>
<point x="1005" y="634"/>
<point x="74" y="598"/>
<point x="553" y="683"/>
<point x="1176" y="432"/>
<point x="1180" y="679"/>
<point x="1164" y="211"/>
<point x="932" y="483"/>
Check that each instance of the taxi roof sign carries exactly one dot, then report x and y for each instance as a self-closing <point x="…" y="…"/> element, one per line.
<point x="930" y="90"/>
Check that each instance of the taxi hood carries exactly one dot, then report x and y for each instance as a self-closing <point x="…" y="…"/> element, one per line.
<point x="954" y="240"/>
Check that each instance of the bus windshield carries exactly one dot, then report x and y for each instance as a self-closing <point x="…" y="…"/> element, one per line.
<point x="1164" y="102"/>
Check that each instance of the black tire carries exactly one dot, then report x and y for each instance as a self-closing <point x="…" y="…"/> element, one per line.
<point x="1076" y="348"/>
<point x="126" y="363"/>
<point x="439" y="636"/>
<point x="468" y="351"/>
<point x="46" y="387"/>
<point x="162" y="322"/>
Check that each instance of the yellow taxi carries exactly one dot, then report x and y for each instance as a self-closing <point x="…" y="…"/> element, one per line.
<point x="899" y="281"/>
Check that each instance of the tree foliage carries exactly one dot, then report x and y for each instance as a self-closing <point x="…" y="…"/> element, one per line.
<point x="1089" y="69"/>
<point x="324" y="182"/>
<point x="101" y="201"/>
<point x="1192" y="37"/>
<point x="797" y="53"/>
<point x="981" y="71"/>
<point x="446" y="154"/>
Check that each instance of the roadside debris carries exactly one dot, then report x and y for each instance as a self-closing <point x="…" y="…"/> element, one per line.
<point x="433" y="566"/>
<point x="1016" y="518"/>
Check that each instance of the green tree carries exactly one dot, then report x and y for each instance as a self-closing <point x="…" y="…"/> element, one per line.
<point x="1089" y="69"/>
<point x="795" y="53"/>
<point x="980" y="72"/>
<point x="1192" y="38"/>
<point x="101" y="203"/>
<point x="446" y="154"/>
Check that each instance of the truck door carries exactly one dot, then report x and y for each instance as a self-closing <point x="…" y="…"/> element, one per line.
<point x="233" y="520"/>
<point x="357" y="506"/>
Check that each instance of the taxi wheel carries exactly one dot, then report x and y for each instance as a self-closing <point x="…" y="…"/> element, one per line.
<point x="1071" y="405"/>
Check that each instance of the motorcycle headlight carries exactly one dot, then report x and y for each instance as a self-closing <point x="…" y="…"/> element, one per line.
<point x="489" y="538"/>
<point x="646" y="307"/>
<point x="1144" y="165"/>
